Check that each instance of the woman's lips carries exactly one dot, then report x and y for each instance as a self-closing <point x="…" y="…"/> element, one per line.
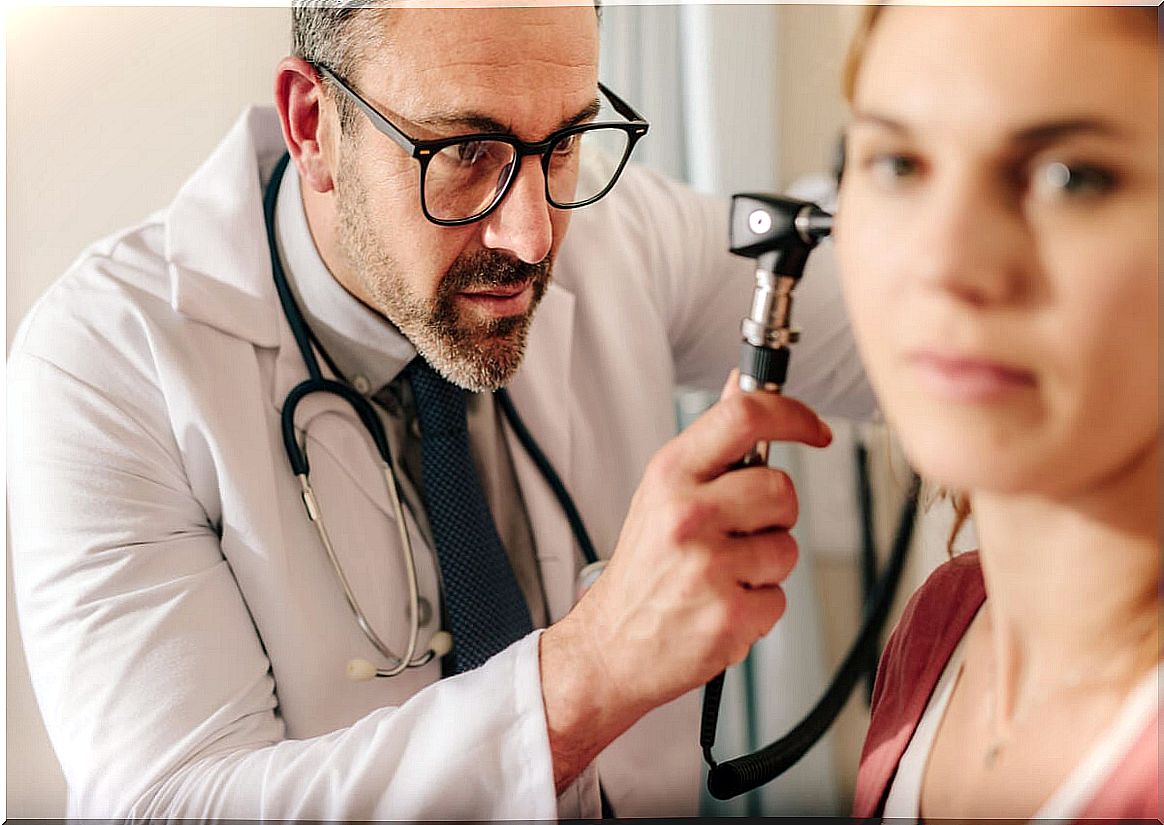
<point x="969" y="379"/>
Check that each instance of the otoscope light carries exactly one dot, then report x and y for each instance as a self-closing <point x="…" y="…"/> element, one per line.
<point x="761" y="224"/>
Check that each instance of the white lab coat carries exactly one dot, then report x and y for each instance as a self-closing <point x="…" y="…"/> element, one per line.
<point x="186" y="636"/>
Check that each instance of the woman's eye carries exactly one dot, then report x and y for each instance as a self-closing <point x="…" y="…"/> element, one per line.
<point x="893" y="169"/>
<point x="1078" y="180"/>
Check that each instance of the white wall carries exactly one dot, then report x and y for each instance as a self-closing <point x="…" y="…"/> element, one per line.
<point x="813" y="41"/>
<point x="109" y="109"/>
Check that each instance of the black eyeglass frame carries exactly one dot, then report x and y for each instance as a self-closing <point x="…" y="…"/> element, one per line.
<point x="423" y="151"/>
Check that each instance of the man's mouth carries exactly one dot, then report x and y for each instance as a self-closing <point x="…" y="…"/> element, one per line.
<point x="507" y="291"/>
<point x="501" y="301"/>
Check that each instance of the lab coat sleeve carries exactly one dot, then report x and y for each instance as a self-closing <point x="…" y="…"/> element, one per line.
<point x="703" y="292"/>
<point x="149" y="672"/>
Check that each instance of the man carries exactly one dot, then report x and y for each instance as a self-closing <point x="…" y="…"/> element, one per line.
<point x="186" y="631"/>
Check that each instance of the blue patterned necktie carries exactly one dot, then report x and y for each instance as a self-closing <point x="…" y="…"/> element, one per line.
<point x="483" y="603"/>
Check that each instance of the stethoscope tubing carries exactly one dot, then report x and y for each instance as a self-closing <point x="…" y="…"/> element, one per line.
<point x="297" y="456"/>
<point x="300" y="466"/>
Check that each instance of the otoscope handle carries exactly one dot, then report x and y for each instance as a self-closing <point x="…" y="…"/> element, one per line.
<point x="763" y="367"/>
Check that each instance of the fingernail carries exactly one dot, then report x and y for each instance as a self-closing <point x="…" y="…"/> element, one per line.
<point x="826" y="432"/>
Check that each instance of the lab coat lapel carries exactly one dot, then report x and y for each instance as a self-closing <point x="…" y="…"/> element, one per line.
<point x="216" y="243"/>
<point x="541" y="393"/>
<point x="220" y="275"/>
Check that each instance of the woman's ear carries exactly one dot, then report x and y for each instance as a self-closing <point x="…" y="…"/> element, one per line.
<point x="305" y="118"/>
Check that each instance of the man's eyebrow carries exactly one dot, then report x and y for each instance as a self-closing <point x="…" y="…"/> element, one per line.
<point x="479" y="122"/>
<point x="588" y="112"/>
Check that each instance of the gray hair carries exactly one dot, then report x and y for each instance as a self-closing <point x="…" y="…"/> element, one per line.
<point x="331" y="33"/>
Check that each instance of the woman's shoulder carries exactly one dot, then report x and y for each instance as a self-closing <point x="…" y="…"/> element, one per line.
<point x="936" y="616"/>
<point x="932" y="624"/>
<point x="952" y="593"/>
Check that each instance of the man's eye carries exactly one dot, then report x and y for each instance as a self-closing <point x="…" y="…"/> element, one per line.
<point x="471" y="151"/>
<point x="1079" y="180"/>
<point x="567" y="145"/>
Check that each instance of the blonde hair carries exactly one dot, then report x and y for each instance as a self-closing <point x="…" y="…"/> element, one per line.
<point x="857" y="48"/>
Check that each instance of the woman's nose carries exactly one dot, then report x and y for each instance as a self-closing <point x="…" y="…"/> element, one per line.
<point x="972" y="242"/>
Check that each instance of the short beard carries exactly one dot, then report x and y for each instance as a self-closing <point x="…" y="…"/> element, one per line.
<point x="479" y="356"/>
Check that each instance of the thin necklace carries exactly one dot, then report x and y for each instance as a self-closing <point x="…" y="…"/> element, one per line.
<point x="1074" y="679"/>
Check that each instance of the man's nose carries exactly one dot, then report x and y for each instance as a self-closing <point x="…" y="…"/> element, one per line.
<point x="521" y="223"/>
<point x="972" y="242"/>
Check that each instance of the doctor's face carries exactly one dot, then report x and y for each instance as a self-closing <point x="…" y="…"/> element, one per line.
<point x="463" y="295"/>
<point x="998" y="230"/>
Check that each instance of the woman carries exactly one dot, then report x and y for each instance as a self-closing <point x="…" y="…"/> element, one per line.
<point x="997" y="231"/>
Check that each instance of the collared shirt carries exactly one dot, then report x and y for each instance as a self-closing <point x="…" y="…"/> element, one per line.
<point x="371" y="353"/>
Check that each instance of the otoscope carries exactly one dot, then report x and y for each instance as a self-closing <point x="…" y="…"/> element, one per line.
<point x="780" y="233"/>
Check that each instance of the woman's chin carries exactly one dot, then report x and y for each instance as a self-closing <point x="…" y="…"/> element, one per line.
<point x="966" y="461"/>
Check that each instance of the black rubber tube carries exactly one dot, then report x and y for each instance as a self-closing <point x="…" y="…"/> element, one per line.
<point x="742" y="774"/>
<point x="549" y="474"/>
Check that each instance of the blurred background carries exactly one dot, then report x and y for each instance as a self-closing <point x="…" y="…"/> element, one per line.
<point x="108" y="110"/>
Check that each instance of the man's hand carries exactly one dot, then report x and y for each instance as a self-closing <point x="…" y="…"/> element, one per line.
<point x="693" y="583"/>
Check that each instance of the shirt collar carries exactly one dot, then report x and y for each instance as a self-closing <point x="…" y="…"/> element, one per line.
<point x="363" y="343"/>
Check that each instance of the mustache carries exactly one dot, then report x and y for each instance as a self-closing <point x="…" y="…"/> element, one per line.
<point x="487" y="268"/>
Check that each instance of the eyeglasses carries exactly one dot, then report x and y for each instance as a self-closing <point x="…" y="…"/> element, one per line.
<point x="464" y="178"/>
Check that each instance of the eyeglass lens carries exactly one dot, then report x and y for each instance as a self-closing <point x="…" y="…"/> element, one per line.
<point x="464" y="179"/>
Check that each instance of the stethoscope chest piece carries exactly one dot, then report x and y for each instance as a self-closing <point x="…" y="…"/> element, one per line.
<point x="586" y="578"/>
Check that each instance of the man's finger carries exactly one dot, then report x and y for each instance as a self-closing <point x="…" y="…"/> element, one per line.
<point x="766" y="606"/>
<point x="752" y="499"/>
<point x="762" y="559"/>
<point x="732" y="385"/>
<point x="723" y="435"/>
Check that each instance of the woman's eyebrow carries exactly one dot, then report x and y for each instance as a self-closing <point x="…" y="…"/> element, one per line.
<point x="1044" y="133"/>
<point x="1037" y="134"/>
<point x="862" y="118"/>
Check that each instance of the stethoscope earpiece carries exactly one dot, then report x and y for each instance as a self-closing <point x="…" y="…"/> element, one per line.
<point x="439" y="646"/>
<point x="441" y="643"/>
<point x="361" y="670"/>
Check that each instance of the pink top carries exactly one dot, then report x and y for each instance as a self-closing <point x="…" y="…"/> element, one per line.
<point x="933" y="623"/>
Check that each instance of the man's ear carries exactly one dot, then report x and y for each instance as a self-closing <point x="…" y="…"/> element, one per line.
<point x="301" y="103"/>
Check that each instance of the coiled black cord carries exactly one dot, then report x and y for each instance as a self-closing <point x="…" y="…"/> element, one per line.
<point x="742" y="774"/>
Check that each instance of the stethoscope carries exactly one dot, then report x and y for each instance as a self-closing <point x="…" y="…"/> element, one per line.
<point x="442" y="642"/>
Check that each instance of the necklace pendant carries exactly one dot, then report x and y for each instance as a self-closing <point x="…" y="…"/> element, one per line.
<point x="992" y="753"/>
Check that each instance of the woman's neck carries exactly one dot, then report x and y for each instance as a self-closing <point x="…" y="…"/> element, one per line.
<point x="1073" y="584"/>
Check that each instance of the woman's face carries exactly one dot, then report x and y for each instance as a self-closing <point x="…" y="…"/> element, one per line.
<point x="997" y="230"/>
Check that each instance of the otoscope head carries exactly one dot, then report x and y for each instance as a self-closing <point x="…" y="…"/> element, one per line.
<point x="762" y="224"/>
<point x="779" y="233"/>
